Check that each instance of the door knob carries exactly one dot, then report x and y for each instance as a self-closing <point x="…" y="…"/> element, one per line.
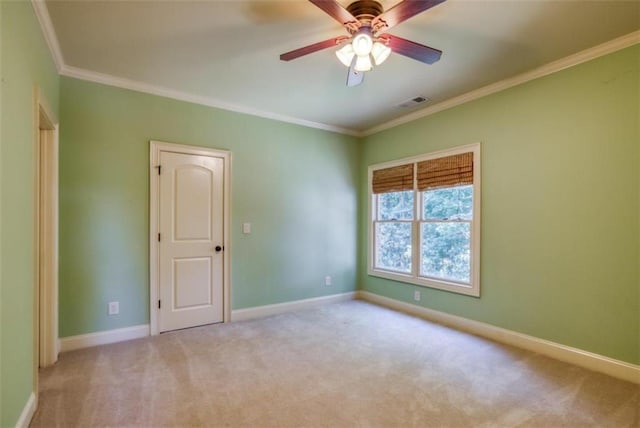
<point x="218" y="248"/>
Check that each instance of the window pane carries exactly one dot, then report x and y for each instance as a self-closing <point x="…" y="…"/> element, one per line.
<point x="393" y="246"/>
<point x="449" y="203"/>
<point x="395" y="205"/>
<point x="446" y="251"/>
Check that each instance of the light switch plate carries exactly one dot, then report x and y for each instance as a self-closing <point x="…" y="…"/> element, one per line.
<point x="114" y="308"/>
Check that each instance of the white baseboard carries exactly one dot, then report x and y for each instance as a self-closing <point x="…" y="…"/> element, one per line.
<point x="278" y="308"/>
<point x="616" y="368"/>
<point x="612" y="367"/>
<point x="27" y="413"/>
<point x="103" y="337"/>
<point x="119" y="335"/>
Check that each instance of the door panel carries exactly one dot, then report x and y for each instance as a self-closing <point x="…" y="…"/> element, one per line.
<point x="193" y="203"/>
<point x="192" y="278"/>
<point x="190" y="218"/>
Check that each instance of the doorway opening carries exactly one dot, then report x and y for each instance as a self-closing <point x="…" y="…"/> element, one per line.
<point x="45" y="337"/>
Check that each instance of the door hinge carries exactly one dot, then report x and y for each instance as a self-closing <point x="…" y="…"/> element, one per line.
<point x="158" y="237"/>
<point x="159" y="304"/>
<point x="159" y="169"/>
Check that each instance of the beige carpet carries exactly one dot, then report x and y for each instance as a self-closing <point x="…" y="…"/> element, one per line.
<point x="344" y="365"/>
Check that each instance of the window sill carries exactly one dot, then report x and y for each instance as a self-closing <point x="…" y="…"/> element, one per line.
<point x="468" y="290"/>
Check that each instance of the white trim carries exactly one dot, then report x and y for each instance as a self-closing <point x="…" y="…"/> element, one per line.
<point x="42" y="13"/>
<point x="103" y="337"/>
<point x="81" y="341"/>
<point x="154" y="225"/>
<point x="550" y="68"/>
<point x="28" y="411"/>
<point x="48" y="289"/>
<point x="154" y="208"/>
<point x="106" y="79"/>
<point x="47" y="147"/>
<point x="413" y="277"/>
<point x="610" y="366"/>
<point x="296" y="305"/>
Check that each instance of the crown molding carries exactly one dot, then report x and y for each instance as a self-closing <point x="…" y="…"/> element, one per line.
<point x="107" y="79"/>
<point x="42" y="13"/>
<point x="578" y="58"/>
<point x="550" y="68"/>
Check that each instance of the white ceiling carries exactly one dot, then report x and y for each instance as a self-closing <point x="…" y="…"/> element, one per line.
<point x="228" y="51"/>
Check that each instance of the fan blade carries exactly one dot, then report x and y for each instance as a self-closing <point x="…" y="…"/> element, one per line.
<point x="412" y="50"/>
<point x="335" y="10"/>
<point x="354" y="78"/>
<point x="312" y="48"/>
<point x="401" y="12"/>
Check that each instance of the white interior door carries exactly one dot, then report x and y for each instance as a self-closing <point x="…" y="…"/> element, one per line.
<point x="191" y="240"/>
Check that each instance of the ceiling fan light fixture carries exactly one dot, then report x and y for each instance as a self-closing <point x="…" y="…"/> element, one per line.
<point x="365" y="46"/>
<point x="345" y="54"/>
<point x="363" y="63"/>
<point x="363" y="42"/>
<point x="380" y="52"/>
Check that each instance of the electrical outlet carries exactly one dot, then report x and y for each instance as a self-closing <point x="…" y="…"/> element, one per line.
<point x="114" y="308"/>
<point x="416" y="296"/>
<point x="327" y="280"/>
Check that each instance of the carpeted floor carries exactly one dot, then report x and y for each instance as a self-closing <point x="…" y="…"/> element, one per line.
<point x="351" y="364"/>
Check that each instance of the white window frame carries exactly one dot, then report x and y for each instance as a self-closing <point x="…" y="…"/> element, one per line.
<point x="472" y="289"/>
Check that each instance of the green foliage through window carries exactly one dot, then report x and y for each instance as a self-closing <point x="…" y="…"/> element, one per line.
<point x="446" y="251"/>
<point x="449" y="203"/>
<point x="396" y="205"/>
<point x="445" y="232"/>
<point x="393" y="250"/>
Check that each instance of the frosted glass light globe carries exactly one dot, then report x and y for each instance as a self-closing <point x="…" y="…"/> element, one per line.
<point x="346" y="54"/>
<point x="362" y="43"/>
<point x="363" y="63"/>
<point x="380" y="52"/>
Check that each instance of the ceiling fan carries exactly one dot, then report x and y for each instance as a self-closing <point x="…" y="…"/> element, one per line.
<point x="367" y="44"/>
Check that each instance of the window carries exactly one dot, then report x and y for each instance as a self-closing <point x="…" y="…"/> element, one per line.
<point x="425" y="220"/>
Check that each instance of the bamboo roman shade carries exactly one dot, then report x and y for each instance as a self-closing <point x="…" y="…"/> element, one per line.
<point x="394" y="179"/>
<point x="444" y="172"/>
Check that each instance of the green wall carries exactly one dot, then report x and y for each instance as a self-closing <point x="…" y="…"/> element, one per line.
<point x="25" y="61"/>
<point x="560" y="205"/>
<point x="297" y="186"/>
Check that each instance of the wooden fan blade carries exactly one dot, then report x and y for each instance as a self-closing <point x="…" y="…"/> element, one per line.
<point x="335" y="10"/>
<point x="401" y="12"/>
<point x="412" y="50"/>
<point x="354" y="78"/>
<point x="312" y="48"/>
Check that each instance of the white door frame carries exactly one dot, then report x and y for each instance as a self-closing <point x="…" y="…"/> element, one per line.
<point x="45" y="292"/>
<point x="154" y="213"/>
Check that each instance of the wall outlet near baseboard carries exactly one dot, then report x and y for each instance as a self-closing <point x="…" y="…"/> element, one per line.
<point x="416" y="295"/>
<point x="114" y="308"/>
<point x="327" y="280"/>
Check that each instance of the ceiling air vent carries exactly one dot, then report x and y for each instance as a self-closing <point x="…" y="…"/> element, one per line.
<point x="413" y="102"/>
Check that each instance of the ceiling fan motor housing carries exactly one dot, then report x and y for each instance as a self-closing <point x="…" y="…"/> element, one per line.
<point x="365" y="10"/>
